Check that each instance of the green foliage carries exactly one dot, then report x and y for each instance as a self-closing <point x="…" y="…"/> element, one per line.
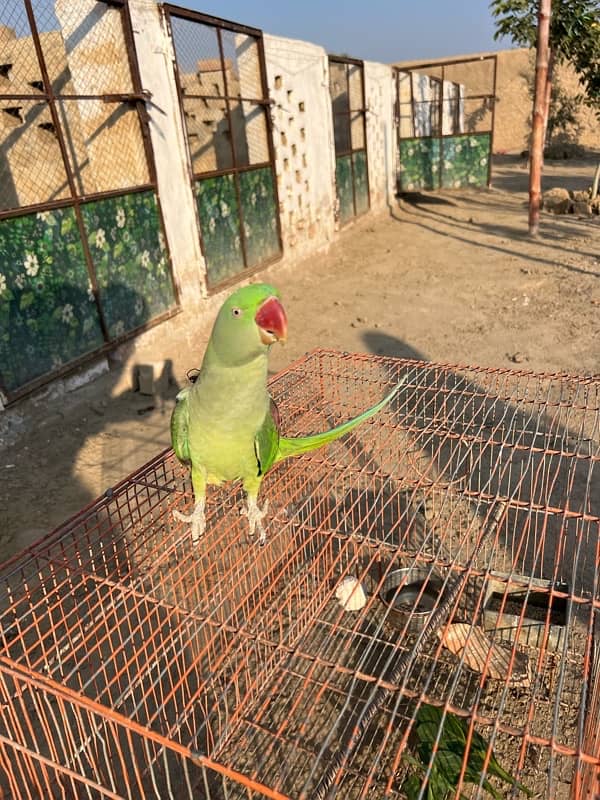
<point x="562" y="115"/>
<point x="447" y="762"/>
<point x="574" y="35"/>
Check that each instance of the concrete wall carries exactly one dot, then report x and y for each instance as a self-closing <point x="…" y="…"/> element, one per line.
<point x="155" y="57"/>
<point x="381" y="134"/>
<point x="298" y="85"/>
<point x="298" y="81"/>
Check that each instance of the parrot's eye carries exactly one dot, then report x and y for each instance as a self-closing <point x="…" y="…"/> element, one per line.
<point x="237" y="312"/>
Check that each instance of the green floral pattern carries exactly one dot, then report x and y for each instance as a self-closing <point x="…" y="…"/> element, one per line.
<point x="466" y="160"/>
<point x="257" y="194"/>
<point x="220" y="225"/>
<point x="48" y="315"/>
<point x="131" y="262"/>
<point x="419" y="164"/>
<point x="219" y="214"/>
<point x="343" y="183"/>
<point x="462" y="161"/>
<point x="361" y="184"/>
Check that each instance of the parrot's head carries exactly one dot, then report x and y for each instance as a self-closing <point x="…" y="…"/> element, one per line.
<point x="248" y="323"/>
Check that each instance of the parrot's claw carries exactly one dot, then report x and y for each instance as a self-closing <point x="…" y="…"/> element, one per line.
<point x="195" y="519"/>
<point x="255" y="516"/>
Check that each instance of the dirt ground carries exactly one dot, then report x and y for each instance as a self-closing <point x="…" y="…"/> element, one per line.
<point x="450" y="277"/>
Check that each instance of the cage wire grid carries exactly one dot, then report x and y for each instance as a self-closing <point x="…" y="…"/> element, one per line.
<point x="135" y="664"/>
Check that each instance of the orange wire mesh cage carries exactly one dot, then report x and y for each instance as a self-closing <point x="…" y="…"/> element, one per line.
<point x="443" y="557"/>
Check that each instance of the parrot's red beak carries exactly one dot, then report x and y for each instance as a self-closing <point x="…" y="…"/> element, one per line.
<point x="271" y="321"/>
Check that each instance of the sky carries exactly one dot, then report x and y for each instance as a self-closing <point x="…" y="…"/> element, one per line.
<point x="375" y="30"/>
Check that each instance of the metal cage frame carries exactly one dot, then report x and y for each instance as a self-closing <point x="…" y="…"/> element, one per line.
<point x="173" y="11"/>
<point x="133" y="665"/>
<point x="355" y="62"/>
<point x="136" y="99"/>
<point x="489" y="97"/>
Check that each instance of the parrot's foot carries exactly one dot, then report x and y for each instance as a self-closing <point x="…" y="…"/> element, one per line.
<point x="195" y="519"/>
<point x="255" y="517"/>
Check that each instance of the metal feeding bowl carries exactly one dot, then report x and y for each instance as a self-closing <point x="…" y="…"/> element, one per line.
<point x="411" y="595"/>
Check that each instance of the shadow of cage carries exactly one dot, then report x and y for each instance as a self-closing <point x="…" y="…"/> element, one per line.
<point x="135" y="664"/>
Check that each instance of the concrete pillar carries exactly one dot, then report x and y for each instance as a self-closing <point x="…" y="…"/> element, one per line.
<point x="381" y="134"/>
<point x="298" y="79"/>
<point x="155" y="58"/>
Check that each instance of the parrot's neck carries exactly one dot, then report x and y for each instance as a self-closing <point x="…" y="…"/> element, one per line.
<point x="225" y="384"/>
<point x="255" y="368"/>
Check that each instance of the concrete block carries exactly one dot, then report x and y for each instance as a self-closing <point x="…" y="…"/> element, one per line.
<point x="153" y="378"/>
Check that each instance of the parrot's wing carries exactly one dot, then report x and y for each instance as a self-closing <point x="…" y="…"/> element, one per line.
<point x="266" y="442"/>
<point x="180" y="427"/>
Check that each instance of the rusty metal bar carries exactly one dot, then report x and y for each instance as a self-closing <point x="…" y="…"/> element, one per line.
<point x="446" y="61"/>
<point x="207" y="19"/>
<point x="493" y="101"/>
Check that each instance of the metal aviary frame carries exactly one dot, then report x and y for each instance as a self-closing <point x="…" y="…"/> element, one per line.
<point x="221" y="82"/>
<point x="347" y="88"/>
<point x="67" y="117"/>
<point x="445" y="113"/>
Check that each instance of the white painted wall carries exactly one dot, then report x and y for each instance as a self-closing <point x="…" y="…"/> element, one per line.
<point x="381" y="135"/>
<point x="298" y="80"/>
<point x="155" y="59"/>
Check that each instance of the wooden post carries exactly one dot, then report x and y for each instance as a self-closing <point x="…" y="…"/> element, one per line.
<point x="539" y="102"/>
<point x="547" y="99"/>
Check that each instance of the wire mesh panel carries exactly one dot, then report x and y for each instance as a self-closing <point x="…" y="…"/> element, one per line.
<point x="220" y="73"/>
<point x="74" y="149"/>
<point x="346" y="86"/>
<point x="445" y="122"/>
<point x="464" y="518"/>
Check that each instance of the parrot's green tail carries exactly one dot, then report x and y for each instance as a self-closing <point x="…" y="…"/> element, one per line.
<point x="304" y="444"/>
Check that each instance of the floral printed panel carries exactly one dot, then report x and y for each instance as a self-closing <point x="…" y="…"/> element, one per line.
<point x="48" y="316"/>
<point x="361" y="184"/>
<point x="419" y="164"/>
<point x="131" y="262"/>
<point x="219" y="221"/>
<point x="466" y="160"/>
<point x="343" y="184"/>
<point x="259" y="211"/>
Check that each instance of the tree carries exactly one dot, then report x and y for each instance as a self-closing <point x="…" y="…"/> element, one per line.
<point x="540" y="115"/>
<point x="574" y="37"/>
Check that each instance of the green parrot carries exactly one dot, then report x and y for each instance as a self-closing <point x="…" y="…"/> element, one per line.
<point x="447" y="762"/>
<point x="225" y="426"/>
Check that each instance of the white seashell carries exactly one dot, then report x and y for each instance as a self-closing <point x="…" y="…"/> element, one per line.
<point x="351" y="594"/>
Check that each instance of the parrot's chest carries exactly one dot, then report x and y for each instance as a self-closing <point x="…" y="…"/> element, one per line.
<point x="222" y="439"/>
